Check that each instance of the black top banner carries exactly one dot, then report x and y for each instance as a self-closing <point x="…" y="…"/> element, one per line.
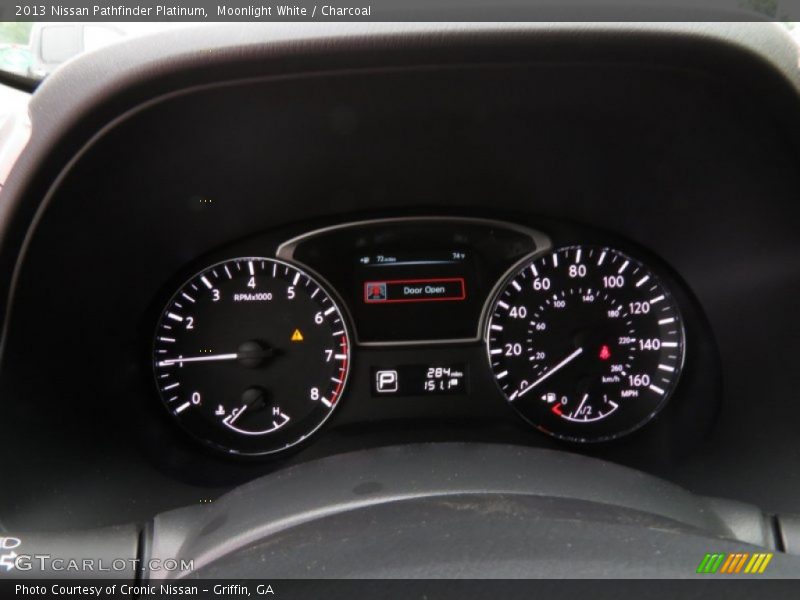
<point x="398" y="10"/>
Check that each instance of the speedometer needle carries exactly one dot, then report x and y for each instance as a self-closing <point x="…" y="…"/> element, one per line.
<point x="560" y="365"/>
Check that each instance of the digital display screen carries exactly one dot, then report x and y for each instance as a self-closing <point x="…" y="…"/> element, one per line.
<point x="419" y="380"/>
<point x="383" y="290"/>
<point x="413" y="280"/>
<point x="393" y="287"/>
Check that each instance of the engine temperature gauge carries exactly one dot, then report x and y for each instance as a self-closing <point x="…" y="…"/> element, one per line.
<point x="585" y="343"/>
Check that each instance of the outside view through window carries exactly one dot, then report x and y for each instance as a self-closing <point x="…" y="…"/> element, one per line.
<point x="34" y="50"/>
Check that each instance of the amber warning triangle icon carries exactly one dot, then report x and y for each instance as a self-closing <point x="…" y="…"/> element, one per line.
<point x="297" y="336"/>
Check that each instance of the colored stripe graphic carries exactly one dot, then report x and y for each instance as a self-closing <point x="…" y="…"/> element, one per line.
<point x="741" y="562"/>
<point x="734" y="563"/>
<point x="729" y="563"/>
<point x="710" y="563"/>
<point x="701" y="568"/>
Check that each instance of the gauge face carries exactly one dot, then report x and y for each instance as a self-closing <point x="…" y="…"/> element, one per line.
<point x="585" y="343"/>
<point x="251" y="356"/>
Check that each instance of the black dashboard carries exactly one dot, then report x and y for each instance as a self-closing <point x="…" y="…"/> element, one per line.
<point x="380" y="250"/>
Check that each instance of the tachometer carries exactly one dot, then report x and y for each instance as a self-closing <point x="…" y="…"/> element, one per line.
<point x="251" y="355"/>
<point x="585" y="343"/>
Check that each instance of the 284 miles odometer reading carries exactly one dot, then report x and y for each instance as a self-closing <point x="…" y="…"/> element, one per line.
<point x="585" y="343"/>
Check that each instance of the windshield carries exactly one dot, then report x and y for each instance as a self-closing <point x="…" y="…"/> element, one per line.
<point x="34" y="50"/>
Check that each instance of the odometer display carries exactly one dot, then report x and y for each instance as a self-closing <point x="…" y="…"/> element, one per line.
<point x="585" y="343"/>
<point x="251" y="355"/>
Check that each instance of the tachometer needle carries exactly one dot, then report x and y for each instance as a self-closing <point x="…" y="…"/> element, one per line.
<point x="560" y="365"/>
<point x="245" y="355"/>
<point x="210" y="357"/>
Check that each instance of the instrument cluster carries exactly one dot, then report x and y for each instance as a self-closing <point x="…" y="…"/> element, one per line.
<point x="582" y="336"/>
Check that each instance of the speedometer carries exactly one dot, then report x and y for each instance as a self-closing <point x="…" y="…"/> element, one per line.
<point x="251" y="355"/>
<point x="585" y="343"/>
